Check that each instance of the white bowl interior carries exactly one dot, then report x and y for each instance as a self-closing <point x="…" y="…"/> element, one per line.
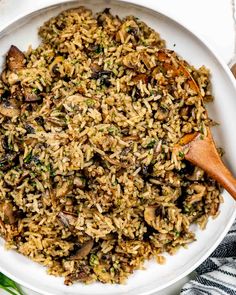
<point x="156" y="277"/>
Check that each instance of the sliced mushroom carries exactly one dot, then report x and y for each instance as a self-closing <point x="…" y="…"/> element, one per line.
<point x="196" y="175"/>
<point x="7" y="160"/>
<point x="8" y="213"/>
<point x="9" y="108"/>
<point x="67" y="219"/>
<point x="104" y="77"/>
<point x="199" y="190"/>
<point x="115" y="162"/>
<point x="30" y="96"/>
<point x="161" y="114"/>
<point x="54" y="65"/>
<point x="151" y="213"/>
<point x="15" y="59"/>
<point x="83" y="251"/>
<point x="5" y="144"/>
<point x="95" y="67"/>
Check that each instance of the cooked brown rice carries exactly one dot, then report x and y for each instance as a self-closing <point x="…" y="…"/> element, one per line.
<point x="90" y="183"/>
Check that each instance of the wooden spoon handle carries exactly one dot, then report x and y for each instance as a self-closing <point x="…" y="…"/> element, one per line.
<point x="203" y="154"/>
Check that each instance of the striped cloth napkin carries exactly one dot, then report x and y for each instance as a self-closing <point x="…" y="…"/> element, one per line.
<point x="216" y="275"/>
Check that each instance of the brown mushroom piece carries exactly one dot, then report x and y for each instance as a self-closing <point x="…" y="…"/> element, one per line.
<point x="8" y="213"/>
<point x="9" y="108"/>
<point x="196" y="175"/>
<point x="161" y="114"/>
<point x="30" y="95"/>
<point x="96" y="68"/>
<point x="115" y="162"/>
<point x="199" y="191"/>
<point x="67" y="219"/>
<point x="15" y="59"/>
<point x="151" y="214"/>
<point x="83" y="251"/>
<point x="7" y="160"/>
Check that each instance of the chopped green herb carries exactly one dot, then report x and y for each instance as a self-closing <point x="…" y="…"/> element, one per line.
<point x="50" y="170"/>
<point x="181" y="154"/>
<point x="90" y="102"/>
<point x="28" y="158"/>
<point x="93" y="260"/>
<point x="112" y="270"/>
<point x="74" y="61"/>
<point x="186" y="209"/>
<point x="112" y="130"/>
<point x="151" y="144"/>
<point x="32" y="174"/>
<point x="177" y="233"/>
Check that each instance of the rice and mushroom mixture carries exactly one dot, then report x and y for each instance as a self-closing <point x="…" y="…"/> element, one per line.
<point x="90" y="185"/>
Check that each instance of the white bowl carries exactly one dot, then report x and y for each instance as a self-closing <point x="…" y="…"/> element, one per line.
<point x="23" y="32"/>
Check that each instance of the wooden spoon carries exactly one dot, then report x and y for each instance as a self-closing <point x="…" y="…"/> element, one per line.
<point x="202" y="153"/>
<point x="199" y="150"/>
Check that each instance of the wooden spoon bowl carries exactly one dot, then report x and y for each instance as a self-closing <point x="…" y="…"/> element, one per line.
<point x="201" y="151"/>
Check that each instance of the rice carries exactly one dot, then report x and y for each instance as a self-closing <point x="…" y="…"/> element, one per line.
<point x="90" y="183"/>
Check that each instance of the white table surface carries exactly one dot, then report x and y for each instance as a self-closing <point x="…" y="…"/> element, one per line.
<point x="210" y="19"/>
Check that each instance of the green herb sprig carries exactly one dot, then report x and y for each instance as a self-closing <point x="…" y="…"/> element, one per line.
<point x="9" y="285"/>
